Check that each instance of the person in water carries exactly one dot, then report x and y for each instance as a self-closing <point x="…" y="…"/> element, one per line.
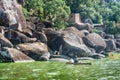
<point x="75" y="59"/>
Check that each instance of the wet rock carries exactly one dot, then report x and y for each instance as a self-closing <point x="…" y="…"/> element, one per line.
<point x="95" y="41"/>
<point x="13" y="55"/>
<point x="60" y="56"/>
<point x="11" y="15"/>
<point x="59" y="59"/>
<point x="98" y="56"/>
<point x="85" y="58"/>
<point x="36" y="50"/>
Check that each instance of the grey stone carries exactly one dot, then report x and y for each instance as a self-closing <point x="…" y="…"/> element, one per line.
<point x="36" y="50"/>
<point x="11" y="15"/>
<point x="110" y="45"/>
<point x="95" y="41"/>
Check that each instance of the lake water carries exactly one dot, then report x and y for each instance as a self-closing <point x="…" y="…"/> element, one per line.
<point x="99" y="70"/>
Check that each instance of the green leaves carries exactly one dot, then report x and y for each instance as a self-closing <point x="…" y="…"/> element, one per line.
<point x="57" y="11"/>
<point x="33" y="8"/>
<point x="53" y="10"/>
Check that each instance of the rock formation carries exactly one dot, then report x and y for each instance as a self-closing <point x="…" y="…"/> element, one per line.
<point x="30" y="40"/>
<point x="11" y="15"/>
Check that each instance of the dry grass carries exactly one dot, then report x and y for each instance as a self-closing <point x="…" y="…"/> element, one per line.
<point x="113" y="55"/>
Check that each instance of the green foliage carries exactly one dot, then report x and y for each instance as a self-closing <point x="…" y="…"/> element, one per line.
<point x="96" y="30"/>
<point x="56" y="11"/>
<point x="34" y="8"/>
<point x="110" y="27"/>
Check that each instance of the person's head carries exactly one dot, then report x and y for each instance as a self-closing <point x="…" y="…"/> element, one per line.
<point x="75" y="56"/>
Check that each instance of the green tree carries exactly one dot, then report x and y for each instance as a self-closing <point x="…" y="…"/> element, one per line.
<point x="34" y="8"/>
<point x="56" y="11"/>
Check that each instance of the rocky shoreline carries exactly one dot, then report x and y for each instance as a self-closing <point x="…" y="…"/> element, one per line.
<point x="30" y="40"/>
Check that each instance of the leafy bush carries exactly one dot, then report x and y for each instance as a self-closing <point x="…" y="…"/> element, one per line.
<point x="110" y="27"/>
<point x="55" y="11"/>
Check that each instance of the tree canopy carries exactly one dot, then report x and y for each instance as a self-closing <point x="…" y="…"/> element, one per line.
<point x="57" y="11"/>
<point x="52" y="10"/>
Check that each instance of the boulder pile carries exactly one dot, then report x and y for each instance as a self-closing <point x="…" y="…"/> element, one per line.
<point x="30" y="40"/>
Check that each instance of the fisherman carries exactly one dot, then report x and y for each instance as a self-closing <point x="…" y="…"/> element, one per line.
<point x="75" y="59"/>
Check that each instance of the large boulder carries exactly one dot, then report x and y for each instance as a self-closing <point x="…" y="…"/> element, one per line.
<point x="68" y="42"/>
<point x="36" y="50"/>
<point x="18" y="37"/>
<point x="74" y="30"/>
<point x="73" y="45"/>
<point x="5" y="42"/>
<point x="13" y="55"/>
<point x="110" y="45"/>
<point x="11" y="15"/>
<point x="54" y="39"/>
<point x="95" y="41"/>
